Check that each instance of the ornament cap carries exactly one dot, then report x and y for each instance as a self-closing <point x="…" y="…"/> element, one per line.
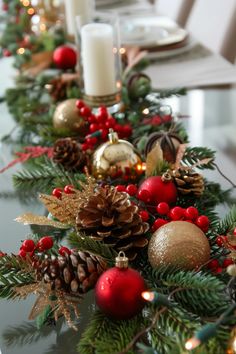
<point x="166" y="177"/>
<point x="113" y="136"/>
<point x="121" y="260"/>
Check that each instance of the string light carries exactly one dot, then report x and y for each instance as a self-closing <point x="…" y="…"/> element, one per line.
<point x="156" y="298"/>
<point x="30" y="11"/>
<point x="141" y="167"/>
<point x="146" y="111"/>
<point x="42" y="27"/>
<point x="122" y="50"/>
<point x="25" y="3"/>
<point x="20" y="51"/>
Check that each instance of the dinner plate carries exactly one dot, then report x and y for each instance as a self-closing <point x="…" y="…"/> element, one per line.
<point x="108" y="2"/>
<point x="150" y="31"/>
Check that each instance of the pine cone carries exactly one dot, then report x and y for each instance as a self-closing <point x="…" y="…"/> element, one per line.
<point x="67" y="152"/>
<point x="109" y="216"/>
<point x="57" y="89"/>
<point x="75" y="274"/>
<point x="188" y="182"/>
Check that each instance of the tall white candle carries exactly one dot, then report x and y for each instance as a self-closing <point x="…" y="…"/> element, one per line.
<point x="98" y="59"/>
<point x="82" y="8"/>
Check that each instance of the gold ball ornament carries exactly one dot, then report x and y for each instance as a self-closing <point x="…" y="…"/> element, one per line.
<point x="231" y="270"/>
<point x="179" y="244"/>
<point x="114" y="156"/>
<point x="66" y="118"/>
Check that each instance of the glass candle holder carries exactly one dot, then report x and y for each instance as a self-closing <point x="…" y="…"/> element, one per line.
<point x="100" y="61"/>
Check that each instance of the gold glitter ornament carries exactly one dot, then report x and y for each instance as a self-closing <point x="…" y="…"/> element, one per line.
<point x="179" y="244"/>
<point x="66" y="118"/>
<point x="115" y="156"/>
<point x="231" y="270"/>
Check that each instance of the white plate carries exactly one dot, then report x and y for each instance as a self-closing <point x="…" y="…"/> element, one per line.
<point x="107" y="2"/>
<point x="165" y="54"/>
<point x="150" y="31"/>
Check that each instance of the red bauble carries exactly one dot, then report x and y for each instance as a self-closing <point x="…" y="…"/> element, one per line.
<point x="118" y="293"/>
<point x="159" y="190"/>
<point x="65" y="57"/>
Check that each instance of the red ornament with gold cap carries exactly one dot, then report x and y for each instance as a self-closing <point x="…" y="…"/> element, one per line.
<point x="119" y="290"/>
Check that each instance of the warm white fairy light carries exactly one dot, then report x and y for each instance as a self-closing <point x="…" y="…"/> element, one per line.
<point x="192" y="343"/>
<point x="146" y="111"/>
<point x="20" y="51"/>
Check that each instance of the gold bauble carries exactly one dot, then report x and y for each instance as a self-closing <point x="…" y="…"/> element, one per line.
<point x="66" y="118"/>
<point x="113" y="156"/>
<point x="179" y="244"/>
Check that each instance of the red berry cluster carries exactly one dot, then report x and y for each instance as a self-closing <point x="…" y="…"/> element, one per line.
<point x="68" y="189"/>
<point x="227" y="241"/>
<point x="217" y="266"/>
<point x="29" y="247"/>
<point x="177" y="213"/>
<point x="99" y="125"/>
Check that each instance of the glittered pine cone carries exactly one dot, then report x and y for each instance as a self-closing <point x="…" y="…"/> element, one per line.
<point x="109" y="216"/>
<point x="67" y="152"/>
<point x="74" y="274"/>
<point x="188" y="182"/>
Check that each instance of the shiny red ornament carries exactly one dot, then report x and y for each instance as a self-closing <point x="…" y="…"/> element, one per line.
<point x="118" y="292"/>
<point x="159" y="190"/>
<point x="65" y="57"/>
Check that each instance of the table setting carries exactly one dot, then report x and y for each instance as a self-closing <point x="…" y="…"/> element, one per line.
<point x="117" y="183"/>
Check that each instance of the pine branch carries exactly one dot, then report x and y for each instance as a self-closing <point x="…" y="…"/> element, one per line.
<point x="86" y="244"/>
<point x="14" y="272"/>
<point x="44" y="178"/>
<point x="202" y="294"/>
<point x="24" y="334"/>
<point x="106" y="336"/>
<point x="228" y="223"/>
<point x="194" y="155"/>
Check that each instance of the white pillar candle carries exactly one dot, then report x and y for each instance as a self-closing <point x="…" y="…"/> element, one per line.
<point x="98" y="59"/>
<point x="82" y="8"/>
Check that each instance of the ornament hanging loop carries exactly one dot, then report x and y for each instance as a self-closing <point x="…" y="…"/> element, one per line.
<point x="121" y="260"/>
<point x="166" y="177"/>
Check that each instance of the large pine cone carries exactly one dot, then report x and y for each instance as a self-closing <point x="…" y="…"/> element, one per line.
<point x="67" y="152"/>
<point x="109" y="216"/>
<point x="188" y="182"/>
<point x="75" y="274"/>
<point x="57" y="89"/>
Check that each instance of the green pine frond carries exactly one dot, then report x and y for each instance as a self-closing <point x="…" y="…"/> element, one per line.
<point x="87" y="244"/>
<point x="228" y="223"/>
<point x="106" y="336"/>
<point x="194" y="155"/>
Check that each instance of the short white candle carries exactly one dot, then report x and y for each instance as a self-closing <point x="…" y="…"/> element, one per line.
<point x="98" y="59"/>
<point x="82" y="8"/>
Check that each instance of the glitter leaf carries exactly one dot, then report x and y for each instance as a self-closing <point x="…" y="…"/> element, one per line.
<point x="31" y="219"/>
<point x="154" y="157"/>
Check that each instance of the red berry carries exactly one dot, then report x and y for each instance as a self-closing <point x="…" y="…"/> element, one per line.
<point x="6" y="53"/>
<point x="127" y="130"/>
<point x="144" y="215"/>
<point x="102" y="116"/>
<point x="69" y="189"/>
<point x="92" y="118"/>
<point x="57" y="193"/>
<point x="80" y="104"/>
<point x="131" y="189"/>
<point x="91" y="140"/>
<point x="191" y="221"/>
<point x="220" y="240"/>
<point x="93" y="127"/>
<point x="163" y="208"/>
<point x="28" y="245"/>
<point x="45" y="243"/>
<point x="2" y="254"/>
<point x="214" y="263"/>
<point x="118" y="128"/>
<point x="64" y="250"/>
<point x="234" y="232"/>
<point x="191" y="213"/>
<point x="158" y="223"/>
<point x="203" y="222"/>
<point x="218" y="270"/>
<point x="227" y="262"/>
<point x="104" y="133"/>
<point x="85" y="111"/>
<point x="110" y="123"/>
<point x="22" y="253"/>
<point x="84" y="147"/>
<point x="120" y="188"/>
<point x="144" y="196"/>
<point x="176" y="213"/>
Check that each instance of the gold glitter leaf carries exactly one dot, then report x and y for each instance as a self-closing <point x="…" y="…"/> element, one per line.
<point x="154" y="157"/>
<point x="31" y="219"/>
